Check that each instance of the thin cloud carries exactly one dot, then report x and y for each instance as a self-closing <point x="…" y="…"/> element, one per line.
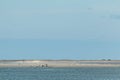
<point x="48" y="11"/>
<point x="115" y="16"/>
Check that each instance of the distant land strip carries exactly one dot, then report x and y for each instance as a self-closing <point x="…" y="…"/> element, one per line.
<point x="59" y="63"/>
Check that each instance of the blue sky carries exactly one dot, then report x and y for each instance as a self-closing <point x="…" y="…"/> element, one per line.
<point x="59" y="29"/>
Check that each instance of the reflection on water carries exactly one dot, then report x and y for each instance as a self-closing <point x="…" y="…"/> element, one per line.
<point x="83" y="73"/>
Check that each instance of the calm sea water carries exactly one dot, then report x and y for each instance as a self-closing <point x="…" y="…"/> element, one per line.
<point x="83" y="73"/>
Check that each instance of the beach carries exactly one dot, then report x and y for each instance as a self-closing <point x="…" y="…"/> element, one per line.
<point x="59" y="63"/>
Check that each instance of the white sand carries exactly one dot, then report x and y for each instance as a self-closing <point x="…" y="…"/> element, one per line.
<point x="59" y="63"/>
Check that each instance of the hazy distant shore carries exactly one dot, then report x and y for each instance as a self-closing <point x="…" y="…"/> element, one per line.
<point x="59" y="63"/>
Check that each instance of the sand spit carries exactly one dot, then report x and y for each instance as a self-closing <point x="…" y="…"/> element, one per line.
<point x="59" y="63"/>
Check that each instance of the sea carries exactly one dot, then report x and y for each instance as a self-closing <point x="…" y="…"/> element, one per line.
<point x="81" y="73"/>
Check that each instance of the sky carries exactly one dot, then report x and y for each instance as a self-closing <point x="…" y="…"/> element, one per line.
<point x="60" y="29"/>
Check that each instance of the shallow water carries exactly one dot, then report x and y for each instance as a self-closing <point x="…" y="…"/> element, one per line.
<point x="83" y="73"/>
